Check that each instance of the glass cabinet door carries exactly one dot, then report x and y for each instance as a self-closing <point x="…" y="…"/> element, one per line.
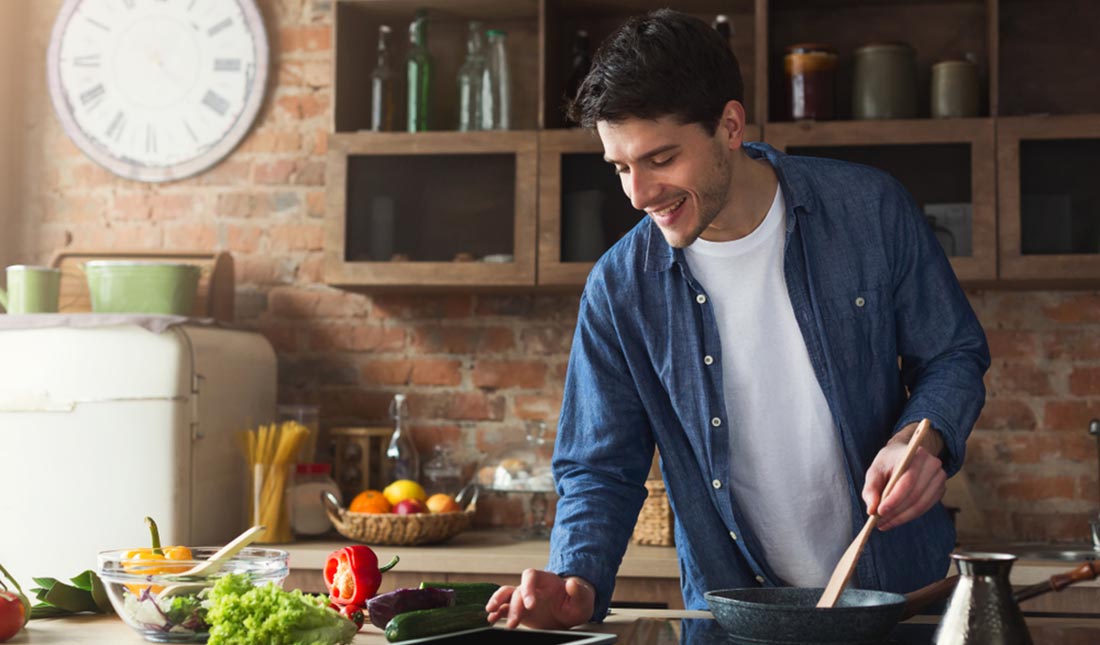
<point x="1049" y="197"/>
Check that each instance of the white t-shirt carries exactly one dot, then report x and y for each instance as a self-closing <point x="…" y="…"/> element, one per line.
<point x="788" y="473"/>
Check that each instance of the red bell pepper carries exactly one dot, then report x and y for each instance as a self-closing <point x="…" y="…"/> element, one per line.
<point x="352" y="574"/>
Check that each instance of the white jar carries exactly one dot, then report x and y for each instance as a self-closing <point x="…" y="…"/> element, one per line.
<point x="307" y="513"/>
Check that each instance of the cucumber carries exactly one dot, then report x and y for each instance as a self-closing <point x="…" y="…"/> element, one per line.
<point x="466" y="593"/>
<point x="431" y="622"/>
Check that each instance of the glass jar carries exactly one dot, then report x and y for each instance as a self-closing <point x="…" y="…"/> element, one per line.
<point x="307" y="513"/>
<point x="441" y="473"/>
<point x="810" y="70"/>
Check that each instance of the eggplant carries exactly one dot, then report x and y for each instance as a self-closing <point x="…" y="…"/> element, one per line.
<point x="382" y="608"/>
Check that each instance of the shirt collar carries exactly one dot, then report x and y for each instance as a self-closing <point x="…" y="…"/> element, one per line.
<point x="796" y="191"/>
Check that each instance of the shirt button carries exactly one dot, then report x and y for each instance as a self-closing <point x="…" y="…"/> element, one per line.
<point x="760" y="579"/>
<point x="716" y="422"/>
<point x="708" y="360"/>
<point x="733" y="535"/>
<point x="700" y="298"/>
<point x="860" y="301"/>
<point x="716" y="483"/>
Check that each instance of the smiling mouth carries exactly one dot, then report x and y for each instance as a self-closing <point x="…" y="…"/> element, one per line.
<point x="667" y="212"/>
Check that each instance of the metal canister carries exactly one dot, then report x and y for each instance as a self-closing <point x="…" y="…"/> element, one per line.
<point x="884" y="84"/>
<point x="954" y="89"/>
<point x="810" y="70"/>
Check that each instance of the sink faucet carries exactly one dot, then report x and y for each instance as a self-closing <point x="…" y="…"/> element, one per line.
<point x="1094" y="523"/>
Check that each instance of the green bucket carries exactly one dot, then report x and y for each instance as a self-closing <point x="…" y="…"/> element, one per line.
<point x="142" y="287"/>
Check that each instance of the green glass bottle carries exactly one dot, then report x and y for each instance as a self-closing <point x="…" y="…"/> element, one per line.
<point x="418" y="65"/>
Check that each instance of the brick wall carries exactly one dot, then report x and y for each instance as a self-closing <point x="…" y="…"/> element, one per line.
<point x="477" y="367"/>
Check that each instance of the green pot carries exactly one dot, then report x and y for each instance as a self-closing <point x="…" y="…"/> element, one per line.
<point x="142" y="287"/>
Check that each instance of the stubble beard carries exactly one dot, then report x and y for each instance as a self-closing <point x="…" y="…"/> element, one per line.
<point x="712" y="199"/>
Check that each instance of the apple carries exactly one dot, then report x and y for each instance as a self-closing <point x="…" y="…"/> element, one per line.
<point x="409" y="506"/>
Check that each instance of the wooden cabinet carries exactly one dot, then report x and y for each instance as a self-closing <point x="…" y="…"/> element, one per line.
<point x="462" y="202"/>
<point x="947" y="165"/>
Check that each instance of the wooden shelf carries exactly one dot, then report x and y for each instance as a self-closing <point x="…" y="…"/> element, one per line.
<point x="939" y="161"/>
<point x="1067" y="192"/>
<point x="1031" y="55"/>
<point x="443" y="193"/>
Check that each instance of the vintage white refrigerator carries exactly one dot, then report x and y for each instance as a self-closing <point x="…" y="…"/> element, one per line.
<point x="103" y="424"/>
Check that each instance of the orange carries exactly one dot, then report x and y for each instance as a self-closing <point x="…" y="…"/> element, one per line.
<point x="442" y="503"/>
<point x="369" y="501"/>
<point x="404" y="489"/>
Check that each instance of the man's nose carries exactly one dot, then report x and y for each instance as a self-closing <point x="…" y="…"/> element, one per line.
<point x="640" y="188"/>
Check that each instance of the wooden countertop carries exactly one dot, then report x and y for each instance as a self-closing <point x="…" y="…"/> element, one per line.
<point x="635" y="627"/>
<point x="483" y="552"/>
<point x="498" y="552"/>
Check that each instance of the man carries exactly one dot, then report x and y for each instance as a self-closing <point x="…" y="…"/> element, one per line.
<point x="750" y="328"/>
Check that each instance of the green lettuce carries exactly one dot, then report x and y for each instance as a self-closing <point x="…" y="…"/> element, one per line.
<point x="243" y="614"/>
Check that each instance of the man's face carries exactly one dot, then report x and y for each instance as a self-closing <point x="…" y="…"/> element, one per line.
<point x="677" y="173"/>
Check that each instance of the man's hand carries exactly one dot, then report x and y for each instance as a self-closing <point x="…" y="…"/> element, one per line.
<point x="916" y="491"/>
<point x="543" y="600"/>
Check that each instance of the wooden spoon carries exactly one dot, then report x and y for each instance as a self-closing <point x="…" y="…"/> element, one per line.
<point x="843" y="571"/>
<point x="211" y="565"/>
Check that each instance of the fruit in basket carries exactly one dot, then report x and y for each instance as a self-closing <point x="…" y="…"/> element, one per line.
<point x="404" y="489"/>
<point x="370" y="501"/>
<point x="409" y="507"/>
<point x="442" y="503"/>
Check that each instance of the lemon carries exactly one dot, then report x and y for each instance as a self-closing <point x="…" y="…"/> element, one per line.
<point x="403" y="489"/>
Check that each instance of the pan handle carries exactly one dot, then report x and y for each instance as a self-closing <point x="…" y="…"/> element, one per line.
<point x="1086" y="571"/>
<point x="921" y="598"/>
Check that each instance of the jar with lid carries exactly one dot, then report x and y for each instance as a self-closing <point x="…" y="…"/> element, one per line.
<point x="810" y="70"/>
<point x="441" y="473"/>
<point x="522" y="469"/>
<point x="884" y="82"/>
<point x="954" y="89"/>
<point x="307" y="513"/>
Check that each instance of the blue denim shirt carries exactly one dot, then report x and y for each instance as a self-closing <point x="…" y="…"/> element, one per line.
<point x="868" y="282"/>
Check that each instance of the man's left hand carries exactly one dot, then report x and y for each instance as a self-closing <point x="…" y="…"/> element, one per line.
<point x="916" y="491"/>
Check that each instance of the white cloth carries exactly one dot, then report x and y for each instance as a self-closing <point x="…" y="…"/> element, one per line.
<point x="787" y="467"/>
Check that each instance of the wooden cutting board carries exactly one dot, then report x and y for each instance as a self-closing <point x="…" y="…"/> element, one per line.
<point x="216" y="282"/>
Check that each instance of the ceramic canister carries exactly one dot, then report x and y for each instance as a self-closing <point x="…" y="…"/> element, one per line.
<point x="884" y="84"/>
<point x="954" y="89"/>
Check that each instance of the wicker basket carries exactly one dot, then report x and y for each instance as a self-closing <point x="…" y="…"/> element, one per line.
<point x="655" y="521"/>
<point x="400" y="530"/>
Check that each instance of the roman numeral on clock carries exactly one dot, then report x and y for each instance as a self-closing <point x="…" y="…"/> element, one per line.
<point x="227" y="64"/>
<point x="225" y="24"/>
<point x="118" y="124"/>
<point x="91" y="96"/>
<point x="150" y="139"/>
<point x="88" y="60"/>
<point x="216" y="102"/>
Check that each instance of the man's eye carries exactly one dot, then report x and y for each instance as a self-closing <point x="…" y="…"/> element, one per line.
<point x="662" y="162"/>
<point x="621" y="170"/>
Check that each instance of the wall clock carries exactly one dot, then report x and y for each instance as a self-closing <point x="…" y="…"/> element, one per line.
<point x="157" y="90"/>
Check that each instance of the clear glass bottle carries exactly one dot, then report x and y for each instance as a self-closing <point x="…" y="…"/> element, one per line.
<point x="470" y="77"/>
<point x="402" y="460"/>
<point x="382" y="84"/>
<point x="582" y="62"/>
<point x="441" y="473"/>
<point x="496" y="104"/>
<point x="418" y="67"/>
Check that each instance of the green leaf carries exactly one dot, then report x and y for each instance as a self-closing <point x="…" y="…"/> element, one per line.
<point x="45" y="583"/>
<point x="47" y="611"/>
<point x="99" y="596"/>
<point x="70" y="598"/>
<point x="84" y="580"/>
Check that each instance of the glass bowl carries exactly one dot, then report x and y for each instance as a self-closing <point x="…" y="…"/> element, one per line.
<point x="150" y="596"/>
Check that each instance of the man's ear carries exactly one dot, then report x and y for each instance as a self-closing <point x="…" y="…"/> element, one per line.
<point x="731" y="125"/>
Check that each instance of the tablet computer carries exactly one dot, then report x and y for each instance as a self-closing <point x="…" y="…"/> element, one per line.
<point x="503" y="636"/>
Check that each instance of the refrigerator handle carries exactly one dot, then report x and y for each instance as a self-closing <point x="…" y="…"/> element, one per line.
<point x="197" y="382"/>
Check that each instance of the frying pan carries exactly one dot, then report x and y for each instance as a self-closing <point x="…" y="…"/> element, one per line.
<point x="780" y="615"/>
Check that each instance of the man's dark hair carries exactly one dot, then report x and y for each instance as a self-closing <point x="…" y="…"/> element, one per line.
<point x="664" y="63"/>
